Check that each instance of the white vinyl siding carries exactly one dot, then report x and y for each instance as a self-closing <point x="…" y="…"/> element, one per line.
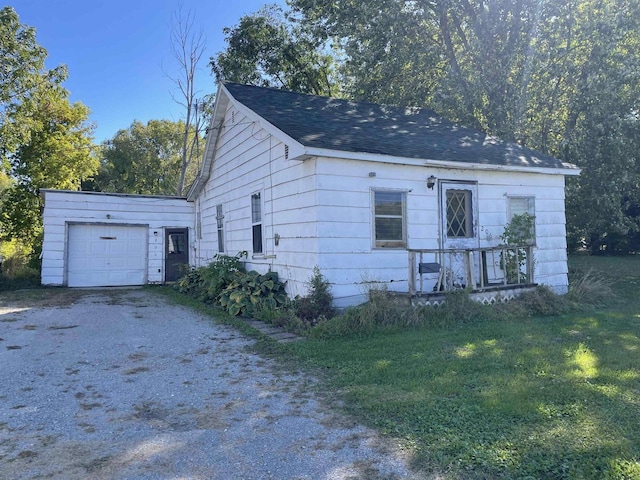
<point x="64" y="211"/>
<point x="322" y="210"/>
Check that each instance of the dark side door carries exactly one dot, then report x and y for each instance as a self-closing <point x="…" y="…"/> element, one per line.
<point x="176" y="242"/>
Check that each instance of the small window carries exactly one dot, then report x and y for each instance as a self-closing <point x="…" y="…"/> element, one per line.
<point x="523" y="206"/>
<point x="220" y="225"/>
<point x="199" y="224"/>
<point x="256" y="222"/>
<point x="176" y="243"/>
<point x="389" y="219"/>
<point x="459" y="214"/>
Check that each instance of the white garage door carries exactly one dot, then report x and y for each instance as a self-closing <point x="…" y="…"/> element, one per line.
<point x="106" y="255"/>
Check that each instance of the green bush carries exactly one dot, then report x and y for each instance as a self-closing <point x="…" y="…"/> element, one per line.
<point x="26" y="278"/>
<point x="250" y="291"/>
<point x="207" y="283"/>
<point x="318" y="304"/>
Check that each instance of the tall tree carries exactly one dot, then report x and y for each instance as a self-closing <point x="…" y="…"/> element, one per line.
<point x="561" y="76"/>
<point x="46" y="141"/>
<point x="187" y="48"/>
<point x="266" y="49"/>
<point x="144" y="159"/>
<point x="22" y="74"/>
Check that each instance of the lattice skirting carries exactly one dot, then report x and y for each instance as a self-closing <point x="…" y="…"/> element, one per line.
<point x="491" y="297"/>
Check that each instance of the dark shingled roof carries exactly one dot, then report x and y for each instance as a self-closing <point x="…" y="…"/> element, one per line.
<point x="334" y="124"/>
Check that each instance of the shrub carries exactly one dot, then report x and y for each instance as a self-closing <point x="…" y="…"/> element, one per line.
<point x="20" y="266"/>
<point x="249" y="292"/>
<point x="318" y="304"/>
<point x="207" y="283"/>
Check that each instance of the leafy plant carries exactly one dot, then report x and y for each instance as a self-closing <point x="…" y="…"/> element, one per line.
<point x="251" y="291"/>
<point x="516" y="233"/>
<point x="207" y="283"/>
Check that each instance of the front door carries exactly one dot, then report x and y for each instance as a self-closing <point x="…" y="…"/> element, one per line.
<point x="459" y="232"/>
<point x="176" y="242"/>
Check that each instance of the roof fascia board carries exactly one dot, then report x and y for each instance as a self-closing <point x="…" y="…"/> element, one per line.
<point x="373" y="157"/>
<point x="215" y="124"/>
<point x="48" y="191"/>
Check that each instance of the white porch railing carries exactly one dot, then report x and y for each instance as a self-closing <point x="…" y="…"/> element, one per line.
<point x="478" y="269"/>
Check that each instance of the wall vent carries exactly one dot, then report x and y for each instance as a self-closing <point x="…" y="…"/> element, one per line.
<point x="286" y="152"/>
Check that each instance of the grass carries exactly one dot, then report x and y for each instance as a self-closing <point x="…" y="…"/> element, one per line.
<point x="549" y="397"/>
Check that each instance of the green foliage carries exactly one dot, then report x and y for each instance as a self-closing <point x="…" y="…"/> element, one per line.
<point x="519" y="231"/>
<point x="518" y="397"/>
<point x="207" y="283"/>
<point x="23" y="75"/>
<point x="45" y="141"/>
<point x="143" y="159"/>
<point x="540" y="302"/>
<point x="265" y="49"/>
<point x="317" y="305"/>
<point x="384" y="310"/>
<point x="590" y="288"/>
<point x="251" y="291"/>
<point x="226" y="283"/>
<point x="561" y="77"/>
<point x="18" y="267"/>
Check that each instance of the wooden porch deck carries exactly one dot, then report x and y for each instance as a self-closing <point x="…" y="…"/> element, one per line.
<point x="489" y="273"/>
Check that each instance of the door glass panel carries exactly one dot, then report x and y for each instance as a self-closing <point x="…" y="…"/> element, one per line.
<point x="459" y="214"/>
<point x="176" y="242"/>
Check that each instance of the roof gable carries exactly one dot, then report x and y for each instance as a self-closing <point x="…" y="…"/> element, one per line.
<point x="346" y="126"/>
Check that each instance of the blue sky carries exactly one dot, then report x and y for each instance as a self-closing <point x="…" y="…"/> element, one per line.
<point x="116" y="51"/>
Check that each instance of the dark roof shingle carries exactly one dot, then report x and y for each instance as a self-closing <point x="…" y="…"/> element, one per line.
<point x="330" y="123"/>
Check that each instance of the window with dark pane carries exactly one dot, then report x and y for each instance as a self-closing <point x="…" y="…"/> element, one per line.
<point x="220" y="224"/>
<point x="256" y="222"/>
<point x="389" y="219"/>
<point x="459" y="223"/>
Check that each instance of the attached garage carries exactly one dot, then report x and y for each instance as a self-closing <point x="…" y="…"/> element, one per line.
<point x="106" y="239"/>
<point x="106" y="255"/>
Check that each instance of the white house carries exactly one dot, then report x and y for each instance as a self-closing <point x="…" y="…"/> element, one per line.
<point x="357" y="189"/>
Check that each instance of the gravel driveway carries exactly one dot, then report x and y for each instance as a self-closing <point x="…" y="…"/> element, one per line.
<point x="123" y="384"/>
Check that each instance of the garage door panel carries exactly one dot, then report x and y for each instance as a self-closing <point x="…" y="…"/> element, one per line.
<point x="106" y="255"/>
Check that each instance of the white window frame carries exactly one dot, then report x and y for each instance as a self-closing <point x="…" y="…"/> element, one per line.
<point x="469" y="227"/>
<point x="256" y="221"/>
<point x="199" y="224"/>
<point x="531" y="210"/>
<point x="389" y="244"/>
<point x="220" y="227"/>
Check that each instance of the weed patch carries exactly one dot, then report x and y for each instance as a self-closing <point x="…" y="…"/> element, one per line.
<point x="540" y="388"/>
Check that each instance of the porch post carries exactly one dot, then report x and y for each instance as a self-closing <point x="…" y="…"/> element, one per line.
<point x="412" y="273"/>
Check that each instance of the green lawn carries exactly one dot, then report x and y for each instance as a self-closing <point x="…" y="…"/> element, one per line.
<point x="555" y="397"/>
